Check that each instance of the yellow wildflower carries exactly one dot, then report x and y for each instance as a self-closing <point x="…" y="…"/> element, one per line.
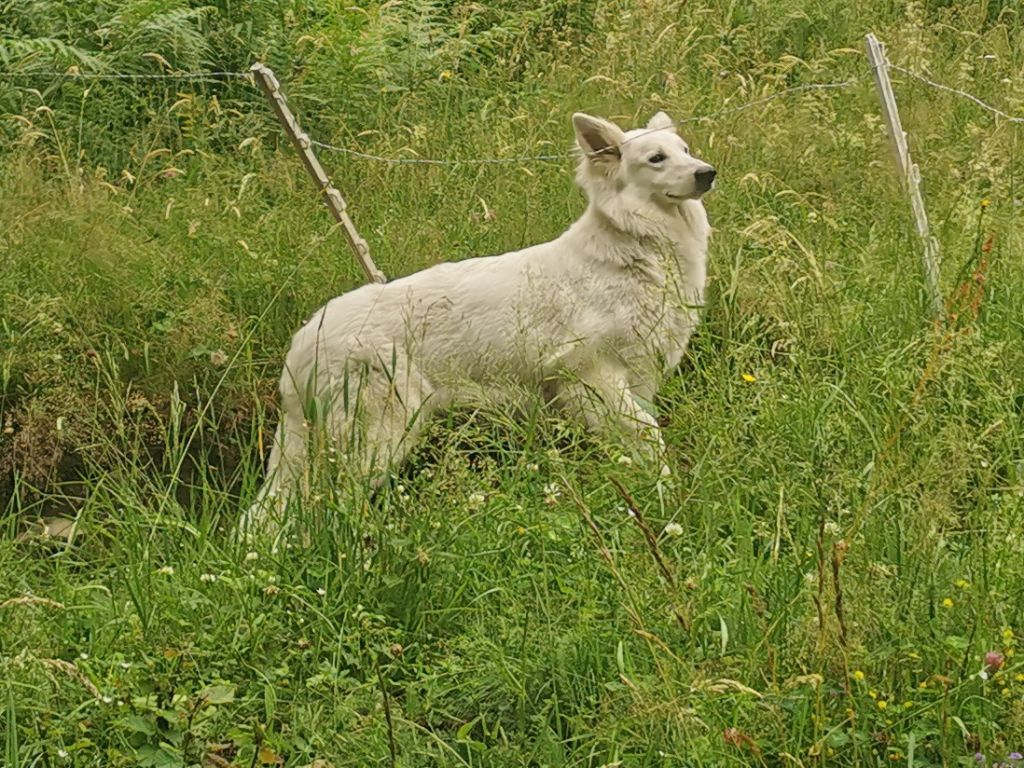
<point x="948" y="603"/>
<point x="858" y="675"/>
<point x="749" y="378"/>
<point x="985" y="202"/>
<point x="882" y="703"/>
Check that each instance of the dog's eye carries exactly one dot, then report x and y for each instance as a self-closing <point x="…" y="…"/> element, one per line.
<point x="658" y="158"/>
<point x="686" y="150"/>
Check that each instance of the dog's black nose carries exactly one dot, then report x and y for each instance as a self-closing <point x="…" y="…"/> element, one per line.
<point x="705" y="179"/>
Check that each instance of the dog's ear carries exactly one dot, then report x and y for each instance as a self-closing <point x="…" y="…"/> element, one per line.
<point x="660" y="122"/>
<point x="599" y="139"/>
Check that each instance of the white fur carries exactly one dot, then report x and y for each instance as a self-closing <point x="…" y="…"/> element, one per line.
<point x="592" y="321"/>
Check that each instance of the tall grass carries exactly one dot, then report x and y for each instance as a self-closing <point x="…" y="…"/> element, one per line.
<point x="818" y="584"/>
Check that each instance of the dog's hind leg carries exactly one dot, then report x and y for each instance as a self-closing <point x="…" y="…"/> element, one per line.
<point x="286" y="467"/>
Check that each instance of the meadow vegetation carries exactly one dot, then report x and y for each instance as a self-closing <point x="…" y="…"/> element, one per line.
<point x="833" y="576"/>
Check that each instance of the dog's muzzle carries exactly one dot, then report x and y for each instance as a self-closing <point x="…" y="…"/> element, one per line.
<point x="704" y="179"/>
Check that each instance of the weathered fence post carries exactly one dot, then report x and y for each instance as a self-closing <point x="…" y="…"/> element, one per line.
<point x="332" y="197"/>
<point x="910" y="175"/>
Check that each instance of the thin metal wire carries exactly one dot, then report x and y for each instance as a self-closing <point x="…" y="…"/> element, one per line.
<point x="521" y="158"/>
<point x="123" y="75"/>
<point x="564" y="155"/>
<point x="958" y="92"/>
<point x="428" y="161"/>
<point x="773" y="97"/>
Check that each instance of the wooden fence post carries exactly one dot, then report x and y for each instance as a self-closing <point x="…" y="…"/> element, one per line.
<point x="332" y="197"/>
<point x="910" y="175"/>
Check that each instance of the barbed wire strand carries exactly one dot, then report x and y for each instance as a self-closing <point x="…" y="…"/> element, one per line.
<point x="521" y="158"/>
<point x="430" y="161"/>
<point x="777" y="95"/>
<point x="563" y="155"/>
<point x="125" y="75"/>
<point x="958" y="92"/>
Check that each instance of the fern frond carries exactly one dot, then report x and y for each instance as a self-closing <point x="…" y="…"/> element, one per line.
<point x="23" y="54"/>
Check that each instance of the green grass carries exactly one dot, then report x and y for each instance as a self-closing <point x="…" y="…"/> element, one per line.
<point x="846" y="541"/>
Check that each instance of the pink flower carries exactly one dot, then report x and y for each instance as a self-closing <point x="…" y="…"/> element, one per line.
<point x="994" y="660"/>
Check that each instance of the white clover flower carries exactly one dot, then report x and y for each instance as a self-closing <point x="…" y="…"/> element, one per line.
<point x="673" y="529"/>
<point x="63" y="754"/>
<point x="551" y="494"/>
<point x="166" y="570"/>
<point x="250" y="556"/>
<point x="476" y="499"/>
<point x="625" y="461"/>
<point x="832" y="528"/>
<point x="321" y="591"/>
<point x="209" y="578"/>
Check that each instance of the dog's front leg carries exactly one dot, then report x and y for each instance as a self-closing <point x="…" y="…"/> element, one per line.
<point x="604" y="401"/>
<point x="644" y="431"/>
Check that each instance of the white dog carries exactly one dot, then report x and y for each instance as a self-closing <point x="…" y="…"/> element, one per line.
<point x="592" y="321"/>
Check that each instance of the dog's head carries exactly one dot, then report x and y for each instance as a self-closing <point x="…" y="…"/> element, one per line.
<point x="654" y="161"/>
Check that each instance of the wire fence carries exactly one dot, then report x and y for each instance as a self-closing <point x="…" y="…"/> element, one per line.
<point x="517" y="159"/>
<point x="561" y="156"/>
<point x="957" y="92"/>
<point x="73" y="75"/>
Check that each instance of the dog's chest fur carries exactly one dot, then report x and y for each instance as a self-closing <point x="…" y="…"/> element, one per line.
<point x="658" y="274"/>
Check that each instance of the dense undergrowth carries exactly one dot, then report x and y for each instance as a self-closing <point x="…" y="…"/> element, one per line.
<point x="841" y="542"/>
